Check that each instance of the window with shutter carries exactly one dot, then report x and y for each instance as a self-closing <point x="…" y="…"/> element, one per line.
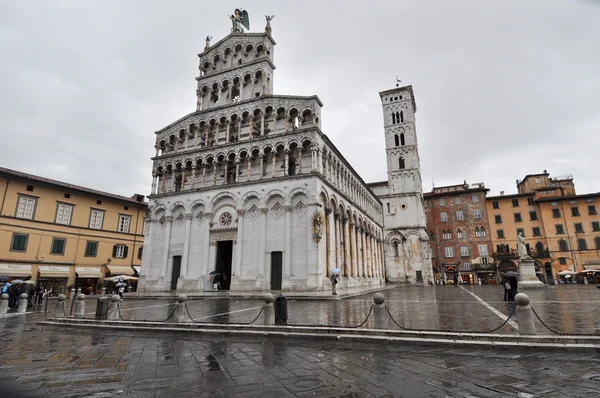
<point x="25" y="207"/>
<point x="120" y="251"/>
<point x="124" y="223"/>
<point x="58" y="246"/>
<point x="96" y="217"/>
<point x="483" y="250"/>
<point x="63" y="214"/>
<point x="19" y="243"/>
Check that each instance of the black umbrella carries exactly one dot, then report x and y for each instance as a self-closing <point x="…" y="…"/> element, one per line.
<point x="4" y="278"/>
<point x="510" y="274"/>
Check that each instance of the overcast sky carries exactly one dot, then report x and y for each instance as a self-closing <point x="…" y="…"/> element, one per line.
<point x="503" y="88"/>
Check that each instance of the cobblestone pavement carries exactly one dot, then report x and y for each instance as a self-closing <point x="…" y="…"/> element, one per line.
<point x="564" y="308"/>
<point x="57" y="362"/>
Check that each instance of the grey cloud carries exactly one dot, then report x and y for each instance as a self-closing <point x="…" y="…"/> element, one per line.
<point x="503" y="88"/>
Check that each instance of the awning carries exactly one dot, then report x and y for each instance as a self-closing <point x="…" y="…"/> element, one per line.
<point x="120" y="269"/>
<point x="15" y="270"/>
<point x="49" y="271"/>
<point x="567" y="272"/>
<point x="589" y="270"/>
<point x="137" y="268"/>
<point x="88" y="272"/>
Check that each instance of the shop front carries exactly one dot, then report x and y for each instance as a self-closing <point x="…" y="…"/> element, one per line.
<point x="122" y="270"/>
<point x="15" y="271"/>
<point x="54" y="278"/>
<point x="88" y="279"/>
<point x="450" y="274"/>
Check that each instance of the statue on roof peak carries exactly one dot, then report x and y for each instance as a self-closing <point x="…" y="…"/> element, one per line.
<point x="240" y="20"/>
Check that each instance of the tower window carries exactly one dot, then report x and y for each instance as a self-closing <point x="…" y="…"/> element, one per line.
<point x="401" y="117"/>
<point x="396" y="140"/>
<point x="393" y="118"/>
<point x="402" y="142"/>
<point x="397" y="117"/>
<point x="401" y="163"/>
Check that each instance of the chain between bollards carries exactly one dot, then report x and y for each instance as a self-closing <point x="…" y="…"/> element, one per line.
<point x="560" y="333"/>
<point x="317" y="325"/>
<point x="222" y="323"/>
<point x="449" y="330"/>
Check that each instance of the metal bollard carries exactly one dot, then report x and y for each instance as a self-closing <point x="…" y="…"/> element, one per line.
<point x="113" y="308"/>
<point x="268" y="311"/>
<point x="80" y="306"/>
<point x="3" y="305"/>
<point x="525" y="317"/>
<point x="72" y="303"/>
<point x="22" y="303"/>
<point x="180" y="315"/>
<point x="379" y="312"/>
<point x="59" y="307"/>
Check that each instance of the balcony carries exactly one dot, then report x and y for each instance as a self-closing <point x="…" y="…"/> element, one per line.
<point x="484" y="267"/>
<point x="512" y="255"/>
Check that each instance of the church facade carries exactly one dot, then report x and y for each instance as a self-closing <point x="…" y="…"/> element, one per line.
<point x="249" y="188"/>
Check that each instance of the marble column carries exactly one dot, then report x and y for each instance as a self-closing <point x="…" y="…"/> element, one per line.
<point x="165" y="259"/>
<point x="186" y="245"/>
<point x="194" y="175"/>
<point x="208" y="218"/>
<point x="185" y="145"/>
<point x="367" y="252"/>
<point x="226" y="170"/>
<point x="240" y="238"/>
<point x="286" y="163"/>
<point x="249" y="168"/>
<point x="347" y="244"/>
<point x="203" y="175"/>
<point x="287" y="261"/>
<point x="262" y="125"/>
<point x="162" y="180"/>
<point x="274" y="161"/>
<point x="148" y="247"/>
<point x="153" y="189"/>
<point x="250" y="134"/>
<point x="330" y="239"/>
<point x="237" y="169"/>
<point x="353" y="263"/>
<point x="262" y="166"/>
<point x="300" y="150"/>
<point x="363" y="270"/>
<point x="227" y="132"/>
<point x="205" y="136"/>
<point x="336" y="223"/>
<point x="182" y="179"/>
<point x="262" y="278"/>
<point x="214" y="173"/>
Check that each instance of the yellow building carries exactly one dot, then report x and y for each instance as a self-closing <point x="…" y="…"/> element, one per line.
<point x="562" y="228"/>
<point x="63" y="235"/>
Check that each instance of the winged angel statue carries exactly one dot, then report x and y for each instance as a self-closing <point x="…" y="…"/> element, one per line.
<point x="240" y="20"/>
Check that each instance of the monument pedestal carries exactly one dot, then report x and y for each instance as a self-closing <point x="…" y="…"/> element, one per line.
<point x="527" y="277"/>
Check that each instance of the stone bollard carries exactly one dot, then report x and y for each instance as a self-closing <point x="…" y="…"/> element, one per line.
<point x="78" y="291"/>
<point x="113" y="308"/>
<point x="22" y="303"/>
<point x="72" y="301"/>
<point x="103" y="291"/>
<point x="268" y="311"/>
<point x="180" y="315"/>
<point x="3" y="305"/>
<point x="525" y="316"/>
<point x="80" y="306"/>
<point x="59" y="307"/>
<point x="379" y="312"/>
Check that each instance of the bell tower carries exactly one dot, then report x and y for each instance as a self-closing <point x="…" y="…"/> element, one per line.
<point x="408" y="255"/>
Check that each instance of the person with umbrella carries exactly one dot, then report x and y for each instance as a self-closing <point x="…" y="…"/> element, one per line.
<point x="510" y="285"/>
<point x="334" y="280"/>
<point x="121" y="286"/>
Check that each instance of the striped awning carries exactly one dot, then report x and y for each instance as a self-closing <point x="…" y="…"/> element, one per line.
<point x="89" y="272"/>
<point x="15" y="270"/>
<point x="120" y="270"/>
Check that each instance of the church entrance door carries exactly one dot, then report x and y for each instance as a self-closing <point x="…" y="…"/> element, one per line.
<point x="276" y="270"/>
<point x="176" y="272"/>
<point x="223" y="265"/>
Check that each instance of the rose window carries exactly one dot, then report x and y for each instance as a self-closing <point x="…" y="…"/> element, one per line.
<point x="225" y="219"/>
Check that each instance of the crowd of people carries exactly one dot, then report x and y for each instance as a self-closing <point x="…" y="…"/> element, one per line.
<point x="14" y="289"/>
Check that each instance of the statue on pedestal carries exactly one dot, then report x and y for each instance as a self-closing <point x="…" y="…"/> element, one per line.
<point x="268" y="27"/>
<point x="521" y="246"/>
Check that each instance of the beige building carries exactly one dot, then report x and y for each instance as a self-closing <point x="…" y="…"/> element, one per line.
<point x="562" y="228"/>
<point x="65" y="235"/>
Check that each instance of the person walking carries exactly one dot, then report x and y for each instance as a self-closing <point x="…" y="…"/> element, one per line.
<point x="507" y="287"/>
<point x="334" y="280"/>
<point x="455" y="280"/>
<point x="514" y="285"/>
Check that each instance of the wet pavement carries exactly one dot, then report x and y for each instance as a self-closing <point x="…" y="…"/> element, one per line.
<point x="51" y="361"/>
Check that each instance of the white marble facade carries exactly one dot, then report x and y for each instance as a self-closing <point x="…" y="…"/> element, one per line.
<point x="249" y="186"/>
